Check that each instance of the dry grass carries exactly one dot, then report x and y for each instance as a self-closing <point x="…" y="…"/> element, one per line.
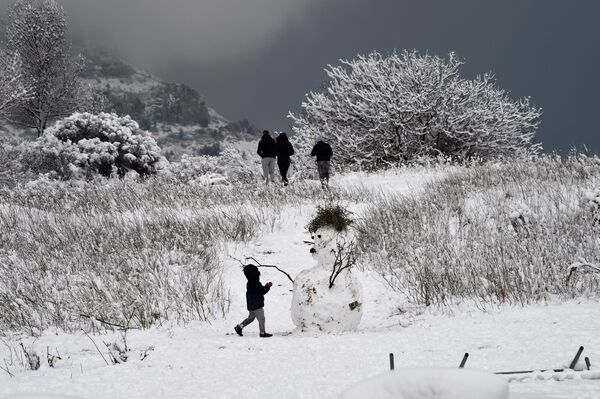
<point x="502" y="233"/>
<point x="127" y="254"/>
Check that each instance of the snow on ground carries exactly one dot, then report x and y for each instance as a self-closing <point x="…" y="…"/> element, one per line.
<point x="431" y="383"/>
<point x="403" y="181"/>
<point x="204" y="360"/>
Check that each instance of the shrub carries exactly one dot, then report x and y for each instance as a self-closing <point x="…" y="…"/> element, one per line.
<point x="235" y="165"/>
<point x="85" y="145"/>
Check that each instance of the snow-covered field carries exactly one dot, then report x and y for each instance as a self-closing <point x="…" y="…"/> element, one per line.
<point x="207" y="360"/>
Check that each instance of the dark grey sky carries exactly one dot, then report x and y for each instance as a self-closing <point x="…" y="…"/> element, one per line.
<point x="256" y="59"/>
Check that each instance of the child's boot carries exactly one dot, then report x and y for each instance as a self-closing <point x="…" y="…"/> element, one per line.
<point x="238" y="330"/>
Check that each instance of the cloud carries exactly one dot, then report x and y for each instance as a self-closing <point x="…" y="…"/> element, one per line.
<point x="209" y="31"/>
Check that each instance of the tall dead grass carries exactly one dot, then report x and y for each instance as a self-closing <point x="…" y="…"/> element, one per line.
<point x="127" y="254"/>
<point x="495" y="233"/>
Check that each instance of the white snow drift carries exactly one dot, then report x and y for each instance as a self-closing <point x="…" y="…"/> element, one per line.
<point x="431" y="384"/>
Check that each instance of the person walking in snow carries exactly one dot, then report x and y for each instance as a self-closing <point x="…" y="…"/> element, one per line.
<point x="267" y="149"/>
<point x="323" y="152"/>
<point x="255" y="301"/>
<point x="284" y="152"/>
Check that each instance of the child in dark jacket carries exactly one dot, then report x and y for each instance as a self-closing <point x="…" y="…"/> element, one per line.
<point x="255" y="300"/>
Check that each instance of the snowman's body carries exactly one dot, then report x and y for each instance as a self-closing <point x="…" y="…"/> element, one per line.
<point x="316" y="306"/>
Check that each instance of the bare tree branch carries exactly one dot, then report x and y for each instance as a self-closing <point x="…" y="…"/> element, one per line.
<point x="258" y="264"/>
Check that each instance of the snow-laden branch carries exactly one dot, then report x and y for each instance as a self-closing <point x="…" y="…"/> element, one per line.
<point x="13" y="88"/>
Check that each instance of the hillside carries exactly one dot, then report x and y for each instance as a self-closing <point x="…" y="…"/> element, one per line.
<point x="177" y="115"/>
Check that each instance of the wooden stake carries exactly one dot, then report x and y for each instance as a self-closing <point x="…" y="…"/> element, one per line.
<point x="576" y="358"/>
<point x="464" y="360"/>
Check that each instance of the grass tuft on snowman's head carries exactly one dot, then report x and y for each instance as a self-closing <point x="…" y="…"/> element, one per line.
<point x="334" y="216"/>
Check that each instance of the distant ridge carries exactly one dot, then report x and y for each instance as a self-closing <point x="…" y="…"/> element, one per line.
<point x="174" y="113"/>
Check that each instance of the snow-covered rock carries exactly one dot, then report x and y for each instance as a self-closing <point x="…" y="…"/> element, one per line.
<point x="430" y="384"/>
<point x="318" y="305"/>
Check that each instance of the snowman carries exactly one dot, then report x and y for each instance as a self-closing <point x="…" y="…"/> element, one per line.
<point x="328" y="297"/>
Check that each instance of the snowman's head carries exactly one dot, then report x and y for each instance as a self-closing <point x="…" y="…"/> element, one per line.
<point x="324" y="240"/>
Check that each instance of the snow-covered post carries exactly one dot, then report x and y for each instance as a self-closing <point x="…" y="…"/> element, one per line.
<point x="328" y="297"/>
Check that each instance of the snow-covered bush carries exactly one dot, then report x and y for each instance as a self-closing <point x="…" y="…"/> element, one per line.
<point x="86" y="145"/>
<point x="12" y="170"/>
<point x="593" y="203"/>
<point x="117" y="350"/>
<point x="493" y="233"/>
<point x="231" y="164"/>
<point x="379" y="110"/>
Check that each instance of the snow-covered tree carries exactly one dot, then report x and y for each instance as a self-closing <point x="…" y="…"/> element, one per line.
<point x="13" y="89"/>
<point x="86" y="144"/>
<point x="379" y="110"/>
<point x="37" y="31"/>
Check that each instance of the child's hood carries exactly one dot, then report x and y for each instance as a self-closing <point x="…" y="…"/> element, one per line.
<point x="252" y="273"/>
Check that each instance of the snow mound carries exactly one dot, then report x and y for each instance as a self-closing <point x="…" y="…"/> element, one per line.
<point x="38" y="396"/>
<point x="431" y="384"/>
<point x="592" y="375"/>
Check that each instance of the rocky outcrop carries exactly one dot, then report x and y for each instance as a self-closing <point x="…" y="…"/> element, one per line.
<point x="176" y="114"/>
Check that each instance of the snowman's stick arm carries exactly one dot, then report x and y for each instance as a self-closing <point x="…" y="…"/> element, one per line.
<point x="342" y="261"/>
<point x="272" y="266"/>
